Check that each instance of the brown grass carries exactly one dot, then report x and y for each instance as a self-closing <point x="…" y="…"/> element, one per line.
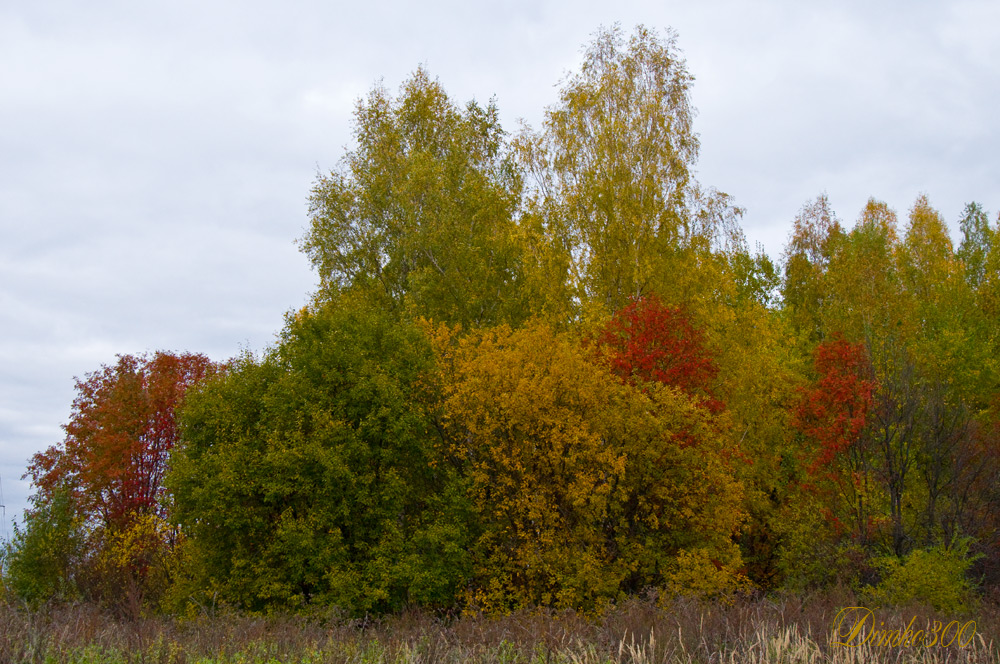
<point x="760" y="630"/>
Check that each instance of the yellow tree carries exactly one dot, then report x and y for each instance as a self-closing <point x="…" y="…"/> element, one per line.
<point x="815" y="233"/>
<point x="585" y="486"/>
<point x="864" y="291"/>
<point x="760" y="367"/>
<point x="612" y="179"/>
<point x="949" y="330"/>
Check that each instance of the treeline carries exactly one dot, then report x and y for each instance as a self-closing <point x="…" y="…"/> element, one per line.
<point x="545" y="369"/>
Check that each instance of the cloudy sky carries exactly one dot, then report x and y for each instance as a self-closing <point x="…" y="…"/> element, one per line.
<point x="155" y="157"/>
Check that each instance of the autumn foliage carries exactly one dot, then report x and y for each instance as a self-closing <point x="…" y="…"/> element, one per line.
<point x="585" y="488"/>
<point x="833" y="410"/>
<point x="107" y="476"/>
<point x="119" y="437"/>
<point x="648" y="341"/>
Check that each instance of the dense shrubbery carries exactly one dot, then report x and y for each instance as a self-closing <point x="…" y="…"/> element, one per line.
<point x="935" y="576"/>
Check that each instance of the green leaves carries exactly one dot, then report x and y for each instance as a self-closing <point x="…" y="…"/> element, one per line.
<point x="551" y="372"/>
<point x="977" y="241"/>
<point x="420" y="216"/>
<point x="41" y="561"/>
<point x="309" y="475"/>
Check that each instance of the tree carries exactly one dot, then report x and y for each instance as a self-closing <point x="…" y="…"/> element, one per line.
<point x="977" y="238"/>
<point x="944" y="461"/>
<point x="951" y="333"/>
<point x="893" y="429"/>
<point x="119" y="438"/>
<point x="648" y="341"/>
<point x="989" y="289"/>
<point x="41" y="562"/>
<point x="759" y="370"/>
<point x="927" y="261"/>
<point x="311" y="476"/>
<point x="101" y="489"/>
<point x="756" y="277"/>
<point x="864" y="294"/>
<point x="612" y="170"/>
<point x="815" y="233"/>
<point x="582" y="484"/>
<point x="832" y="416"/>
<point x="959" y="348"/>
<point x="420" y="215"/>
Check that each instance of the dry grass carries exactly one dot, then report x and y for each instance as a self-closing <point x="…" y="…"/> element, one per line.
<point x="791" y="629"/>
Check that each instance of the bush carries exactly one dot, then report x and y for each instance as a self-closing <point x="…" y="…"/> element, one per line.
<point x="935" y="576"/>
<point x="41" y="561"/>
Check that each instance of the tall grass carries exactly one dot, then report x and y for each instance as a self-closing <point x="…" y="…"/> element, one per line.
<point x="790" y="629"/>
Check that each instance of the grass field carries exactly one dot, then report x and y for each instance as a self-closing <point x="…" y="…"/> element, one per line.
<point x="788" y="629"/>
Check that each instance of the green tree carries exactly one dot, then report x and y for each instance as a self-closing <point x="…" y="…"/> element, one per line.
<point x="936" y="575"/>
<point x="957" y="369"/>
<point x="755" y="275"/>
<point x="420" y="215"/>
<point x="864" y="291"/>
<point x="310" y="476"/>
<point x="42" y="561"/>
<point x="759" y="370"/>
<point x="977" y="238"/>
<point x="989" y="289"/>
<point x="970" y="337"/>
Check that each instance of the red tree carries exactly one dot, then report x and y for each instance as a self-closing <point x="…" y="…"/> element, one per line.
<point x="652" y="342"/>
<point x="833" y="411"/>
<point x="119" y="436"/>
<point x="832" y="414"/>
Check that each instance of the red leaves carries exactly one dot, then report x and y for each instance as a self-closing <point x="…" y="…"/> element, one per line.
<point x="119" y="436"/>
<point x="653" y="342"/>
<point x="834" y="409"/>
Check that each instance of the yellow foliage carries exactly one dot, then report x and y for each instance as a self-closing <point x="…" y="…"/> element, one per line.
<point x="697" y="572"/>
<point x="583" y="485"/>
<point x="136" y="563"/>
<point x="137" y="544"/>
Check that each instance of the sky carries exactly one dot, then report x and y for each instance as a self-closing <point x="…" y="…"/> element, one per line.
<point x="156" y="157"/>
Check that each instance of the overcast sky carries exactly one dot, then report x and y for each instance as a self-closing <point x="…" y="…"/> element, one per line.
<point x="155" y="157"/>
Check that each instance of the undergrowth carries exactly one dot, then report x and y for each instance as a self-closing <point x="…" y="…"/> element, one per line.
<point x="785" y="629"/>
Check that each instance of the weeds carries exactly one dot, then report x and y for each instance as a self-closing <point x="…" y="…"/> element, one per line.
<point x="787" y="630"/>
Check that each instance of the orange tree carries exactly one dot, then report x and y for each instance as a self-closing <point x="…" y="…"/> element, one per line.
<point x="832" y="415"/>
<point x="102" y="486"/>
<point x="648" y="341"/>
<point x="119" y="437"/>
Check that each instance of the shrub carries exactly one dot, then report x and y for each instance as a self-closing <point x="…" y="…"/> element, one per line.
<point x="40" y="562"/>
<point x="935" y="576"/>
